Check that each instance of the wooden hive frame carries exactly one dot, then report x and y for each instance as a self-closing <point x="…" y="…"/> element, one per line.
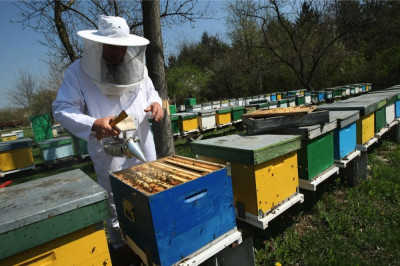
<point x="157" y="176"/>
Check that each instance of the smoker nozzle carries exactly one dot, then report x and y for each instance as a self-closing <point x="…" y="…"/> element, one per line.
<point x="122" y="147"/>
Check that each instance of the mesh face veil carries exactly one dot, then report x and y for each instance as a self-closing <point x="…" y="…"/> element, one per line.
<point x="114" y="79"/>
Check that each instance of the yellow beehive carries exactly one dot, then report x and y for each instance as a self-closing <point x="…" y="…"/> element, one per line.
<point x="223" y="117"/>
<point x="365" y="128"/>
<point x="15" y="154"/>
<point x="263" y="168"/>
<point x="8" y="137"/>
<point x="87" y="246"/>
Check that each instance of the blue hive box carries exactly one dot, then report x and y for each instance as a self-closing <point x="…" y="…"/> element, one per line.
<point x="345" y="135"/>
<point x="172" y="207"/>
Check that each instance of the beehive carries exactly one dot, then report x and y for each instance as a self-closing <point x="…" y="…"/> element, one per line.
<point x="316" y="153"/>
<point x="164" y="205"/>
<point x="51" y="221"/>
<point x="223" y="117"/>
<point x="392" y="98"/>
<point x="237" y="112"/>
<point x="367" y="106"/>
<point x="15" y="155"/>
<point x="300" y="100"/>
<point x="187" y="122"/>
<point x="174" y="125"/>
<point x="264" y="168"/>
<point x="19" y="133"/>
<point x="206" y="120"/>
<point x="8" y="137"/>
<point x="345" y="135"/>
<point x="55" y="149"/>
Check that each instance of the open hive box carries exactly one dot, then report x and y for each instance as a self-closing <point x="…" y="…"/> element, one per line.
<point x="164" y="205"/>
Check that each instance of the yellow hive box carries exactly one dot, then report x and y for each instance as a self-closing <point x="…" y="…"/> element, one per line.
<point x="223" y="117"/>
<point x="265" y="185"/>
<point x="8" y="137"/>
<point x="15" y="154"/>
<point x="263" y="168"/>
<point x="87" y="246"/>
<point x="187" y="122"/>
<point x="365" y="128"/>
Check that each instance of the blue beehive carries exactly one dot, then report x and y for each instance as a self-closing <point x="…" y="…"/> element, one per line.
<point x="345" y="135"/>
<point x="174" y="206"/>
<point x="321" y="96"/>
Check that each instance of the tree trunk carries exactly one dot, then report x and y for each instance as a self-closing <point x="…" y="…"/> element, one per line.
<point x="155" y="63"/>
<point x="62" y="31"/>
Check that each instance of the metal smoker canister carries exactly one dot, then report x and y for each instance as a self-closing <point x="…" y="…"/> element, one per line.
<point x="129" y="148"/>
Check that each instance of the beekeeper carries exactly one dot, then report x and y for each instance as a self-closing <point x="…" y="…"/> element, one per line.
<point x="110" y="77"/>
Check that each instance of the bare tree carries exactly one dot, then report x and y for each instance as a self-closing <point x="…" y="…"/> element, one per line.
<point x="155" y="61"/>
<point x="59" y="20"/>
<point x="301" y="35"/>
<point x="23" y="92"/>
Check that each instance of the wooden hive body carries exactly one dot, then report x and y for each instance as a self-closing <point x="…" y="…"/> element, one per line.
<point x="223" y="117"/>
<point x="58" y="148"/>
<point x="316" y="153"/>
<point x="264" y="168"/>
<point x="164" y="205"/>
<point x="237" y="113"/>
<point x="16" y="154"/>
<point x="206" y="120"/>
<point x="345" y="135"/>
<point x="52" y="221"/>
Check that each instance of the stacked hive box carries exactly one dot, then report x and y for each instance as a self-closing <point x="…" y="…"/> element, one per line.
<point x="53" y="221"/>
<point x="172" y="207"/>
<point x="263" y="167"/>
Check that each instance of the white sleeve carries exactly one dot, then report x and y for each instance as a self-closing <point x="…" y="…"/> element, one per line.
<point x="69" y="107"/>
<point x="151" y="93"/>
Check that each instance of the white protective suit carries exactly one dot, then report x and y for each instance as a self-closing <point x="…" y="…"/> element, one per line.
<point x="80" y="102"/>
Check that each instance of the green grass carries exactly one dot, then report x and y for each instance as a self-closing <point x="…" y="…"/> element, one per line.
<point x="345" y="226"/>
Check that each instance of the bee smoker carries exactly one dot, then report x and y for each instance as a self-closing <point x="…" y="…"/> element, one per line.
<point x="124" y="147"/>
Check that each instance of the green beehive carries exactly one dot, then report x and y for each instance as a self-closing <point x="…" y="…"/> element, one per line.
<point x="174" y="125"/>
<point x="190" y="101"/>
<point x="237" y="113"/>
<point x="41" y="126"/>
<point x="172" y="109"/>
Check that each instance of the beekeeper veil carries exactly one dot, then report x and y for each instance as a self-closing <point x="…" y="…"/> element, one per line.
<point x="114" y="77"/>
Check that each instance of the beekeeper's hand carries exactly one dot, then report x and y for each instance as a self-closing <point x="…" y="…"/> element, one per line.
<point x="157" y="113"/>
<point x="102" y="128"/>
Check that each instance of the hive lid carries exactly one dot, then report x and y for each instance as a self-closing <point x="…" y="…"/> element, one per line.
<point x="247" y="149"/>
<point x="206" y="112"/>
<point x="345" y="118"/>
<point x="366" y="104"/>
<point x="43" y="198"/>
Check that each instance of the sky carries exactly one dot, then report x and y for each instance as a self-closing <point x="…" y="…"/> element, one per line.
<point x="21" y="51"/>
